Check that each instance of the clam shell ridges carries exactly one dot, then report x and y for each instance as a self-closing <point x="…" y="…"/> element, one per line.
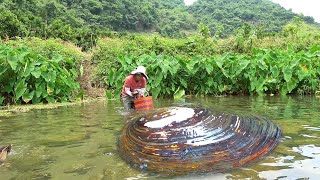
<point x="180" y="140"/>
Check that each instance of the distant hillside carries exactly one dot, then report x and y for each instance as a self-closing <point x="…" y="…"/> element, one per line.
<point x="81" y="21"/>
<point x="227" y="15"/>
<point x="64" y="18"/>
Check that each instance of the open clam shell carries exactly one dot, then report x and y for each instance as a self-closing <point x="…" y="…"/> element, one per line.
<point x="180" y="140"/>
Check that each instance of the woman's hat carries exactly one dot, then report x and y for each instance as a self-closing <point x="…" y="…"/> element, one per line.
<point x="142" y="70"/>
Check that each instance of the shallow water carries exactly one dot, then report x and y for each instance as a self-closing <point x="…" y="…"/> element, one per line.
<point x="80" y="142"/>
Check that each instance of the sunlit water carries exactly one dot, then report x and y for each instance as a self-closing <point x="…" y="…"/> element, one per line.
<point x="80" y="142"/>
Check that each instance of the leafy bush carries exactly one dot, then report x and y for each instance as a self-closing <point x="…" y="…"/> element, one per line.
<point x="264" y="71"/>
<point x="49" y="47"/>
<point x="29" y="77"/>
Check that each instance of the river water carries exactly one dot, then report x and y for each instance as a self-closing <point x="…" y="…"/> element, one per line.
<point x="80" y="142"/>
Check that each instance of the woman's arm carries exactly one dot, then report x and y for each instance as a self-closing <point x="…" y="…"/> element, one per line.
<point x="129" y="93"/>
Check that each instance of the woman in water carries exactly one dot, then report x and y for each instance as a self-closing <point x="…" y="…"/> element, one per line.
<point x="134" y="87"/>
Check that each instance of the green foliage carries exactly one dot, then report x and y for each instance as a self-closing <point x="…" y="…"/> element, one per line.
<point x="29" y="77"/>
<point x="49" y="48"/>
<point x="264" y="71"/>
<point x="231" y="15"/>
<point x="82" y="22"/>
<point x="10" y="24"/>
<point x="179" y="94"/>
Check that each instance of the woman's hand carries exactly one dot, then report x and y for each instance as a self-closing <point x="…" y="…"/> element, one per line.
<point x="137" y="93"/>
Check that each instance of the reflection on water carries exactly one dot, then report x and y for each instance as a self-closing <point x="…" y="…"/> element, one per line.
<point x="308" y="167"/>
<point x="79" y="142"/>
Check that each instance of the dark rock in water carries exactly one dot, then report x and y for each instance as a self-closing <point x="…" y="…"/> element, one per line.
<point x="4" y="151"/>
<point x="180" y="140"/>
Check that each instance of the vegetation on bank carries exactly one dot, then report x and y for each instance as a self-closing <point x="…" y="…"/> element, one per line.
<point x="249" y="62"/>
<point x="44" y="71"/>
<point x="263" y="71"/>
<point x="246" y="63"/>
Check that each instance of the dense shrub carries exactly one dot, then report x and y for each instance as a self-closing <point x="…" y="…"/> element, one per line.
<point x="27" y="77"/>
<point x="264" y="71"/>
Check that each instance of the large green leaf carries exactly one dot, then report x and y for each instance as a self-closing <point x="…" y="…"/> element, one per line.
<point x="28" y="68"/>
<point x="1" y="100"/>
<point x="259" y="85"/>
<point x="20" y="88"/>
<point x="36" y="72"/>
<point x="50" y="76"/>
<point x="13" y="62"/>
<point x="74" y="73"/>
<point x="111" y="77"/>
<point x="291" y="85"/>
<point x="50" y="99"/>
<point x="156" y="92"/>
<point x="109" y="94"/>
<point x="209" y="68"/>
<point x="287" y="73"/>
<point x="284" y="90"/>
<point x="184" y="83"/>
<point x="191" y="64"/>
<point x="21" y="56"/>
<point x="57" y="58"/>
<point x="174" y="67"/>
<point x="302" y="74"/>
<point x="39" y="89"/>
<point x="210" y="82"/>
<point x="2" y="69"/>
<point x="50" y="88"/>
<point x="158" y="80"/>
<point x="36" y="100"/>
<point x="27" y="96"/>
<point x="241" y="66"/>
<point x="275" y="71"/>
<point x="220" y="62"/>
<point x="179" y="94"/>
<point x="165" y="67"/>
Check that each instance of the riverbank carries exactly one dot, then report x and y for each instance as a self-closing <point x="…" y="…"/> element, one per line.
<point x="12" y="110"/>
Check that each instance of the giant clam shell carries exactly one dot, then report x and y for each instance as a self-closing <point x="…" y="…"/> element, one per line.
<point x="179" y="140"/>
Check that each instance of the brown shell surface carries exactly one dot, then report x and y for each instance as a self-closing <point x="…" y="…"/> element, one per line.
<point x="180" y="140"/>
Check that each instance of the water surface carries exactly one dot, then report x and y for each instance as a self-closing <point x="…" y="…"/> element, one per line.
<point x="80" y="142"/>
